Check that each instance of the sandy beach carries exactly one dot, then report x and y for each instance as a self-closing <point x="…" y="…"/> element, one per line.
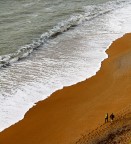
<point x="116" y="132"/>
<point x="68" y="113"/>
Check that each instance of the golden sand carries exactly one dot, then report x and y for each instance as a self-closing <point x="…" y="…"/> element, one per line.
<point x="67" y="113"/>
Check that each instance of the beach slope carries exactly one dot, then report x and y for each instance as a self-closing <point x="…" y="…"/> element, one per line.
<point x="68" y="113"/>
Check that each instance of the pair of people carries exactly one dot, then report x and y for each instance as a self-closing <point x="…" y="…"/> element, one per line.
<point x="111" y="117"/>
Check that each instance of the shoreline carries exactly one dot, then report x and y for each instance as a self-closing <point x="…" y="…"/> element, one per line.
<point x="72" y="110"/>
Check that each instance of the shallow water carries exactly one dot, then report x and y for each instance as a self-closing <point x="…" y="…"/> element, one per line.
<point x="72" y="51"/>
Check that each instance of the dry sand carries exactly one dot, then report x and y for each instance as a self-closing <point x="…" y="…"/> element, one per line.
<point x="116" y="132"/>
<point x="69" y="112"/>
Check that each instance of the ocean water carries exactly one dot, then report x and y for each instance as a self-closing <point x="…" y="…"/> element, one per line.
<point x="46" y="45"/>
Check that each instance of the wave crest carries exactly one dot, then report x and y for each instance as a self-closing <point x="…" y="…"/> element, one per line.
<point x="91" y="12"/>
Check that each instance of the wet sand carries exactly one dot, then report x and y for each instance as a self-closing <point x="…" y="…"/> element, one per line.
<point x="68" y="113"/>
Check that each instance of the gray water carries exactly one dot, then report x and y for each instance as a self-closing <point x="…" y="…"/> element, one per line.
<point x="22" y="21"/>
<point x="58" y="43"/>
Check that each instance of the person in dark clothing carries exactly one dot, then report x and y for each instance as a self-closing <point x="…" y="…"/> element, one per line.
<point x="106" y="117"/>
<point x="112" y="117"/>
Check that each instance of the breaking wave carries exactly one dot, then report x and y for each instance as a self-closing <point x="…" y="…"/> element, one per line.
<point x="91" y="12"/>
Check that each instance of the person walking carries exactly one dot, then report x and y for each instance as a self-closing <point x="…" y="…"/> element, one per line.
<point x="112" y="117"/>
<point x="106" y="117"/>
